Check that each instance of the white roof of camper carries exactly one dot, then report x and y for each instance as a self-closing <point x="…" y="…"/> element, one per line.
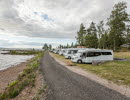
<point x="92" y="49"/>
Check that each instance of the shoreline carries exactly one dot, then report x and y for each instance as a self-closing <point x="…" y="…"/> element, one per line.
<point x="10" y="74"/>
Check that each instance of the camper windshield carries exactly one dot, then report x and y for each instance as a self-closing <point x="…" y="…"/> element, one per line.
<point x="78" y="54"/>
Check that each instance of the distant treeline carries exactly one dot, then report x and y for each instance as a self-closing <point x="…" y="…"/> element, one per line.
<point x="112" y="36"/>
<point x="109" y="35"/>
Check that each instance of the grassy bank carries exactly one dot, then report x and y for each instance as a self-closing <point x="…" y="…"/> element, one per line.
<point x="26" y="78"/>
<point x="115" y="71"/>
<point x="23" y="52"/>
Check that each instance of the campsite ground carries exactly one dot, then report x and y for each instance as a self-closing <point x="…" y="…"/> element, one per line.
<point x="115" y="71"/>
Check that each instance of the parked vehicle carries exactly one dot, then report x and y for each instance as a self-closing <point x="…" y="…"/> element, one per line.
<point x="90" y="55"/>
<point x="62" y="51"/>
<point x="56" y="51"/>
<point x="70" y="52"/>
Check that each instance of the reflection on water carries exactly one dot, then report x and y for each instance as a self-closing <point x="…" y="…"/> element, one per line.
<point x="7" y="61"/>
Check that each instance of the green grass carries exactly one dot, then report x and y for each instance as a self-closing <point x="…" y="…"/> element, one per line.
<point x="115" y="71"/>
<point x="26" y="78"/>
<point x="24" y="52"/>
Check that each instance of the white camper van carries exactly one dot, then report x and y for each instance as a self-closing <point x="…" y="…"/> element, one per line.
<point x="90" y="55"/>
<point x="62" y="51"/>
<point x="70" y="52"/>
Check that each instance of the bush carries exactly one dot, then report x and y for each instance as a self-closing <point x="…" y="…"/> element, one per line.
<point x="13" y="83"/>
<point x="13" y="93"/>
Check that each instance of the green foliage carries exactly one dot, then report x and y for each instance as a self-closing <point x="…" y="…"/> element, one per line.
<point x="117" y="25"/>
<point x="13" y="83"/>
<point x="116" y="34"/>
<point x="91" y="38"/>
<point x="100" y="32"/>
<point x="13" y="93"/>
<point x="23" y="52"/>
<point x="80" y="35"/>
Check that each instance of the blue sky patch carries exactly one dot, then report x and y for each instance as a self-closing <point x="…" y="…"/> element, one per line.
<point x="46" y="17"/>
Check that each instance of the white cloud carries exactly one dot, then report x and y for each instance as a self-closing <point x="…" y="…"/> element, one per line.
<point x="51" y="18"/>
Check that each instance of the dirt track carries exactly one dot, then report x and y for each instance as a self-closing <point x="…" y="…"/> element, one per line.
<point x="66" y="85"/>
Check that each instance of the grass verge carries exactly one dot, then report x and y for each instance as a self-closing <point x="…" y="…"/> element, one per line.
<point x="23" y="52"/>
<point x="115" y="71"/>
<point x="26" y="78"/>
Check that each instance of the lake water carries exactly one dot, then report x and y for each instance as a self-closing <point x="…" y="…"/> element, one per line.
<point x="7" y="61"/>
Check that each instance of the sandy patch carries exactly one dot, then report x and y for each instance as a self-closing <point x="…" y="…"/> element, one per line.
<point x="10" y="74"/>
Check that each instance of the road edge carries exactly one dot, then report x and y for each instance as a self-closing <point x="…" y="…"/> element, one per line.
<point x="124" y="90"/>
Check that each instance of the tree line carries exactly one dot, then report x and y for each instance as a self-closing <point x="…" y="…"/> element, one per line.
<point x="47" y="46"/>
<point x="109" y="35"/>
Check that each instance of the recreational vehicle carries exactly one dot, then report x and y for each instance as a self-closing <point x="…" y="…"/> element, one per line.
<point x="70" y="52"/>
<point x="90" y="55"/>
<point x="62" y="51"/>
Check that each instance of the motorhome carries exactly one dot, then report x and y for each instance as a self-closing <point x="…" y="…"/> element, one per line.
<point x="56" y="51"/>
<point x="70" y="52"/>
<point x="90" y="55"/>
<point x="62" y="51"/>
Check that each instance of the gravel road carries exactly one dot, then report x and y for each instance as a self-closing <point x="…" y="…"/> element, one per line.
<point x="66" y="85"/>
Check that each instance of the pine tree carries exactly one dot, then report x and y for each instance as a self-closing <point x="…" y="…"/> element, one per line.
<point x="100" y="30"/>
<point x="67" y="45"/>
<point x="104" y="43"/>
<point x="80" y="35"/>
<point x="72" y="45"/>
<point x="91" y="37"/>
<point x="128" y="34"/>
<point x="117" y="25"/>
<point x="50" y="47"/>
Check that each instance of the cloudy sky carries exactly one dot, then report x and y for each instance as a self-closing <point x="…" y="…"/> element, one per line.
<point x="31" y="23"/>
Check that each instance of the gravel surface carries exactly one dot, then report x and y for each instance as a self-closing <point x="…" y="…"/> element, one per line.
<point x="66" y="85"/>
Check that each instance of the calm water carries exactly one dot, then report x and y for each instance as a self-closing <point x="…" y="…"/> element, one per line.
<point x="7" y="61"/>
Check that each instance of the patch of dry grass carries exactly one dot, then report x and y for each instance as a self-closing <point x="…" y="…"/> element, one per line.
<point x="67" y="61"/>
<point x="122" y="55"/>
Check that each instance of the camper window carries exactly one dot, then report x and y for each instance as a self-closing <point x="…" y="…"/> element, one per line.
<point x="69" y="52"/>
<point x="93" y="54"/>
<point x="83" y="55"/>
<point x="75" y="51"/>
<point x="106" y="53"/>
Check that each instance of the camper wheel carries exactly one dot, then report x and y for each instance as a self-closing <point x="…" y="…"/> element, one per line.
<point x="69" y="57"/>
<point x="79" y="61"/>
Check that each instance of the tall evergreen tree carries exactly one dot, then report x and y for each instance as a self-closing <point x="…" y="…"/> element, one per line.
<point x="104" y="43"/>
<point x="117" y="24"/>
<point x="91" y="38"/>
<point x="128" y="34"/>
<point x="50" y="47"/>
<point x="72" y="45"/>
<point x="100" y="31"/>
<point x="67" y="45"/>
<point x="80" y="35"/>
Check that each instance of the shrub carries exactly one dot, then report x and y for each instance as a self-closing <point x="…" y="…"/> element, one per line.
<point x="13" y="83"/>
